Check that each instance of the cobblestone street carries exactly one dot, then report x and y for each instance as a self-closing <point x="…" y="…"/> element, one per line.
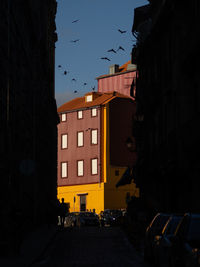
<point x="90" y="246"/>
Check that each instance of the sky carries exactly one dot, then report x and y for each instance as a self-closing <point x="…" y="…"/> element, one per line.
<point x="96" y="31"/>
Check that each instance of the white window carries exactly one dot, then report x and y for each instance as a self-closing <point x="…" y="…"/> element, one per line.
<point x="80" y="138"/>
<point x="63" y="117"/>
<point x="80" y="114"/>
<point x="80" y="167"/>
<point x="64" y="141"/>
<point x="88" y="98"/>
<point x="64" y="169"/>
<point x="94" y="137"/>
<point x="94" y="166"/>
<point x="94" y="112"/>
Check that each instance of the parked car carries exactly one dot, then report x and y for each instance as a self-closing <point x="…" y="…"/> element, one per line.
<point x="162" y="243"/>
<point x="85" y="218"/>
<point x="111" y="217"/>
<point x="154" y="228"/>
<point x="186" y="242"/>
<point x="71" y="219"/>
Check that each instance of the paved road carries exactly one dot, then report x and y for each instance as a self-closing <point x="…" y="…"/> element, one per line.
<point x="91" y="246"/>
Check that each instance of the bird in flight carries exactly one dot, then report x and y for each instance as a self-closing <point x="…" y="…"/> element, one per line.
<point x="75" y="91"/>
<point x="74" y="41"/>
<point x="112" y="50"/>
<point x="65" y="72"/>
<point x="105" y="58"/>
<point x="74" y="80"/>
<point x="75" y="21"/>
<point x="121" y="31"/>
<point x="121" y="48"/>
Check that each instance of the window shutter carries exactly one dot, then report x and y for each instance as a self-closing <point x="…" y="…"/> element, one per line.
<point x="64" y="169"/>
<point x="63" y="117"/>
<point x="80" y="138"/>
<point x="94" y="166"/>
<point x="80" y="168"/>
<point x="94" y="112"/>
<point x="94" y="137"/>
<point x="64" y="141"/>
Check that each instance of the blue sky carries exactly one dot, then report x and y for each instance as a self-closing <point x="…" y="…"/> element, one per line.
<point x="97" y="31"/>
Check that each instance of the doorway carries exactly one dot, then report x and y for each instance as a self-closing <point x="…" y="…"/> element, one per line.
<point x="83" y="203"/>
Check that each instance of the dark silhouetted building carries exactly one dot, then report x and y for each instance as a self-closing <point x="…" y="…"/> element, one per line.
<point x="28" y="117"/>
<point x="168" y="98"/>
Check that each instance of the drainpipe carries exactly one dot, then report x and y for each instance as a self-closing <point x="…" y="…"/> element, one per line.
<point x="99" y="143"/>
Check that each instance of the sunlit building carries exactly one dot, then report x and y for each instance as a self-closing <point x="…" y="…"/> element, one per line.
<point x="121" y="78"/>
<point x="92" y="151"/>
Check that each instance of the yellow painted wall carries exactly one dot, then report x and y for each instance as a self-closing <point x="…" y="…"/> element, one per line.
<point x="94" y="199"/>
<point x="115" y="198"/>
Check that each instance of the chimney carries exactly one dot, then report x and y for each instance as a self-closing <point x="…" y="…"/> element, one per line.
<point x="131" y="67"/>
<point x="113" y="69"/>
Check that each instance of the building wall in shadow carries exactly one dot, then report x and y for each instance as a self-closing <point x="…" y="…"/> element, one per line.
<point x="28" y="116"/>
<point x="167" y="56"/>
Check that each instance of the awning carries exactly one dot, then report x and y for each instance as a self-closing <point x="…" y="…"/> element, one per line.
<point x="126" y="178"/>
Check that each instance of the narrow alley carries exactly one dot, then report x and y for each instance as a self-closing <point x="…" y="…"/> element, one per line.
<point x="90" y="246"/>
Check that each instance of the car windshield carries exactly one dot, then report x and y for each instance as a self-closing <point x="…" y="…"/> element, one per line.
<point x="194" y="229"/>
<point x="115" y="212"/>
<point x="172" y="225"/>
<point x="87" y="214"/>
<point x="158" y="224"/>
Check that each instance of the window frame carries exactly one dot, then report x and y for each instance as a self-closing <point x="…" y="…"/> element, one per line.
<point x="96" y="166"/>
<point x="82" y="139"/>
<point x="92" y="130"/>
<point x="80" y="160"/>
<point x="65" y="134"/>
<point x="92" y="112"/>
<point x="89" y="98"/>
<point x="64" y="162"/>
<point x="62" y="117"/>
<point x="78" y="112"/>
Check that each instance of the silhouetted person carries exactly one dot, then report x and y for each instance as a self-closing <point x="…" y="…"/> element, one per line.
<point x="63" y="212"/>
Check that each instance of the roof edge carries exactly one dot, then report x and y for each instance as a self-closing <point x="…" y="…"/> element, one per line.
<point x="115" y="74"/>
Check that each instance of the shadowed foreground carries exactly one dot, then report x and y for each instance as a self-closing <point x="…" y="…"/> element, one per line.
<point x="90" y="246"/>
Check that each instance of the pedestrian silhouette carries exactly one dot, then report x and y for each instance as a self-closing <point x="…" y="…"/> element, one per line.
<point x="63" y="212"/>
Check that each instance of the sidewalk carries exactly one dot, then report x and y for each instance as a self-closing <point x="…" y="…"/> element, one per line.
<point x="32" y="247"/>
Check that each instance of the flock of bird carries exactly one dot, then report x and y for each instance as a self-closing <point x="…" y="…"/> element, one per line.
<point x="65" y="72"/>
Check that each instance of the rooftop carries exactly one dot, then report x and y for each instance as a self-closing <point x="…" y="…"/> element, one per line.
<point x="97" y="99"/>
<point x="126" y="67"/>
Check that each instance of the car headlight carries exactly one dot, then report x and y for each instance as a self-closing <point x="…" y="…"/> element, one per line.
<point x="196" y="255"/>
<point x="195" y="252"/>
